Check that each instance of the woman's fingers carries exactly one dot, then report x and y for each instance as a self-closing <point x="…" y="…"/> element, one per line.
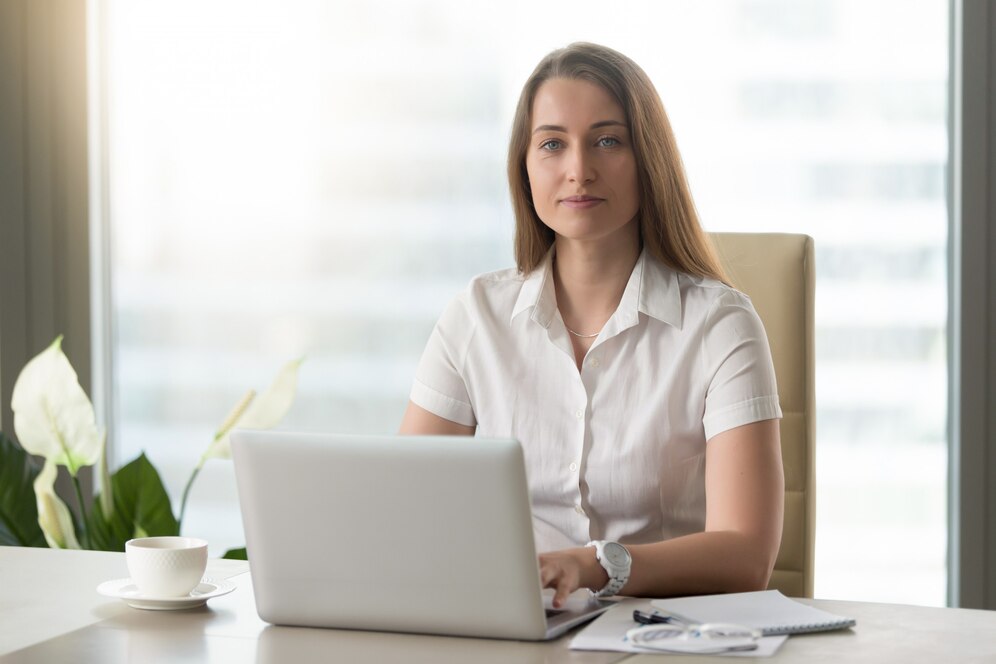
<point x="563" y="590"/>
<point x="560" y="573"/>
<point x="546" y="576"/>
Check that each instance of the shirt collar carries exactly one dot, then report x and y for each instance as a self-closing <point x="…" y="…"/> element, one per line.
<point x="537" y="292"/>
<point x="652" y="289"/>
<point x="660" y="293"/>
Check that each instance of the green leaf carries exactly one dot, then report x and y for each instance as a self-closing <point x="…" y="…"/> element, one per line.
<point x="18" y="510"/>
<point x="235" y="554"/>
<point x="141" y="508"/>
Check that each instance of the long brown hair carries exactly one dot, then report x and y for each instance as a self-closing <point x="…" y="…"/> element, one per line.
<point x="669" y="224"/>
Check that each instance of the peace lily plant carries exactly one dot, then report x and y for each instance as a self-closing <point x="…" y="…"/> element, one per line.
<point x="54" y="419"/>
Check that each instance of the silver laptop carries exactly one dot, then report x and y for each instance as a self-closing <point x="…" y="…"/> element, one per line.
<point x="395" y="533"/>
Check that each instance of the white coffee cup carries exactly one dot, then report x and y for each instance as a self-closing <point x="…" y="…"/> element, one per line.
<point x="166" y="566"/>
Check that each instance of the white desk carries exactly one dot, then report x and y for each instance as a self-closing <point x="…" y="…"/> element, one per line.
<point x="50" y="612"/>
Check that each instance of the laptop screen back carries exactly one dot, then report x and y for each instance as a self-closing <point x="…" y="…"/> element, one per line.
<point x="415" y="534"/>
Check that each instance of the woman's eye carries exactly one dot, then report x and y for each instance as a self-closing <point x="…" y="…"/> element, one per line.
<point x="608" y="142"/>
<point x="550" y="145"/>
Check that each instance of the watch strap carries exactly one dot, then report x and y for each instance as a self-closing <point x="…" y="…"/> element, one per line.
<point x="613" y="587"/>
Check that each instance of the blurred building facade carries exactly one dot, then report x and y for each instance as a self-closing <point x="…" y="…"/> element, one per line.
<point x="319" y="179"/>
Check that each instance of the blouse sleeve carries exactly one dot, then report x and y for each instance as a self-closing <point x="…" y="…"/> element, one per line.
<point x="439" y="385"/>
<point x="742" y="387"/>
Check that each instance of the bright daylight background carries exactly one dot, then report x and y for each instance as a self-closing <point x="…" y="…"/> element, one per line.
<point x="318" y="178"/>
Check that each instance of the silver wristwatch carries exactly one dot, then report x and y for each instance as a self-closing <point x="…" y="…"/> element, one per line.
<point x="616" y="560"/>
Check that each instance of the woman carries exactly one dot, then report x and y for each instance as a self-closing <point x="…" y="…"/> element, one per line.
<point x="638" y="382"/>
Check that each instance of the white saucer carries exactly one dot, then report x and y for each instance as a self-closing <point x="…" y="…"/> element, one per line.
<point x="127" y="590"/>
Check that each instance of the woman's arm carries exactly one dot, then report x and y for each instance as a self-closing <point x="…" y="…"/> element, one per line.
<point x="417" y="421"/>
<point x="745" y="492"/>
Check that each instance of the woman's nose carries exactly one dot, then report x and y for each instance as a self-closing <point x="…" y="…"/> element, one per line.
<point x="579" y="167"/>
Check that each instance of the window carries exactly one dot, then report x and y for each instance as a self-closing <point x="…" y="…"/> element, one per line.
<point x="313" y="178"/>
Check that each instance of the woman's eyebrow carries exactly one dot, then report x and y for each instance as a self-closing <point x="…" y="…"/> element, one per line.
<point x="597" y="125"/>
<point x="609" y="123"/>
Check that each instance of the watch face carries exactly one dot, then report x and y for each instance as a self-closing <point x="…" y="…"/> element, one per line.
<point x="616" y="554"/>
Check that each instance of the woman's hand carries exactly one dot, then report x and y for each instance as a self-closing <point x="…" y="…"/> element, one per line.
<point x="570" y="569"/>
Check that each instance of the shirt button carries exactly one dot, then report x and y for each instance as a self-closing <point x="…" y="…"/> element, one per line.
<point x="595" y="362"/>
<point x="573" y="467"/>
<point x="579" y="414"/>
<point x="577" y="508"/>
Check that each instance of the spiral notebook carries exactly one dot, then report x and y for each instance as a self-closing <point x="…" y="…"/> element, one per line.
<point x="767" y="610"/>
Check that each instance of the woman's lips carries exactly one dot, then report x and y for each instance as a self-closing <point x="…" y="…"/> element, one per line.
<point x="581" y="202"/>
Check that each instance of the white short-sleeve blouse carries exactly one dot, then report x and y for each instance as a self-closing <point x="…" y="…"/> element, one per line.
<point x="617" y="450"/>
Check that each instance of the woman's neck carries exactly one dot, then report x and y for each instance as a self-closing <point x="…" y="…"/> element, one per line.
<point x="590" y="278"/>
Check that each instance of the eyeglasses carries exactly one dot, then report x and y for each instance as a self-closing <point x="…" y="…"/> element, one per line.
<point x="671" y="633"/>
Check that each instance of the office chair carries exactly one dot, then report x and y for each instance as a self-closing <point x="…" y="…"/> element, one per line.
<point x="776" y="271"/>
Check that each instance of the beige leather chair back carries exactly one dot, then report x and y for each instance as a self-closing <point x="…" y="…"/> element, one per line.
<point x="776" y="271"/>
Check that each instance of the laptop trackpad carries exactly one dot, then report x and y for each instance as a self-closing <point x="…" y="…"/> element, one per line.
<point x="580" y="607"/>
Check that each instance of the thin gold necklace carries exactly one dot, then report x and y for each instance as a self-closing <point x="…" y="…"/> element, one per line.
<point x="583" y="336"/>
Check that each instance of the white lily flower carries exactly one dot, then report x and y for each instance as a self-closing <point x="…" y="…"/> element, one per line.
<point x="106" y="495"/>
<point x="235" y="414"/>
<point x="53" y="515"/>
<point x="53" y="416"/>
<point x="257" y="412"/>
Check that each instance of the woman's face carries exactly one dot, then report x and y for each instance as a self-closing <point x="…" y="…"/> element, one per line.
<point x="580" y="161"/>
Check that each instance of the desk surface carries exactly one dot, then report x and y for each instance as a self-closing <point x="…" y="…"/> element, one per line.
<point x="51" y="612"/>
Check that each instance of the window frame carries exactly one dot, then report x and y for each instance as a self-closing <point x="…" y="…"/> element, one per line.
<point x="972" y="306"/>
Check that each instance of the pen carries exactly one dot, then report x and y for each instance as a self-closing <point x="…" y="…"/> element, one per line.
<point x="651" y="618"/>
<point x="654" y="618"/>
